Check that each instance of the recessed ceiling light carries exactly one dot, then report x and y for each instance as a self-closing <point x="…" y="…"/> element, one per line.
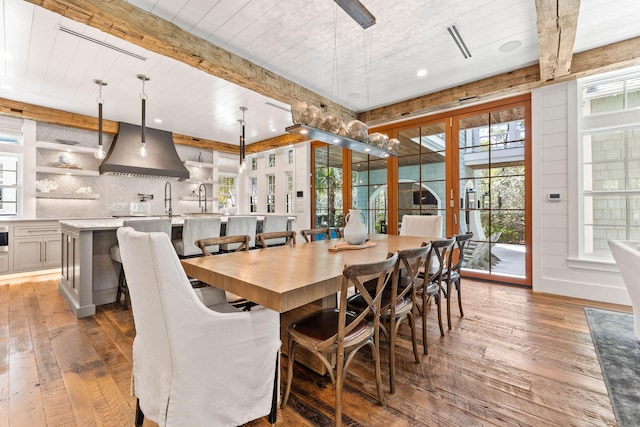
<point x="157" y="120"/>
<point x="353" y="95"/>
<point x="6" y="87"/>
<point x="421" y="72"/>
<point x="273" y="129"/>
<point x="7" y="56"/>
<point x="509" y="46"/>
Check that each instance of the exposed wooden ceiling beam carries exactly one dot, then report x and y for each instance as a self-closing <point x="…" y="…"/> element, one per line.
<point x="557" y="26"/>
<point x="79" y="121"/>
<point x="271" y="143"/>
<point x="606" y="58"/>
<point x="122" y="20"/>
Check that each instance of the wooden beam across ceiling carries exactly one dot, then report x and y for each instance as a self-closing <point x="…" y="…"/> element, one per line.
<point x="557" y="26"/>
<point x="62" y="118"/>
<point x="127" y="22"/>
<point x="612" y="57"/>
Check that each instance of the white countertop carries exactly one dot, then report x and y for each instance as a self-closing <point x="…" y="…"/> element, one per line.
<point x="113" y="223"/>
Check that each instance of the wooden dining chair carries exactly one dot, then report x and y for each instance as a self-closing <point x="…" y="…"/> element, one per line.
<point x="315" y="234"/>
<point x="397" y="302"/>
<point x="430" y="288"/>
<point x="243" y="245"/>
<point x="340" y="332"/>
<point x="242" y="240"/>
<point x="451" y="275"/>
<point x="289" y="238"/>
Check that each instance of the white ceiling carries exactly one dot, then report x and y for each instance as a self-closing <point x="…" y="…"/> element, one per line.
<point x="310" y="42"/>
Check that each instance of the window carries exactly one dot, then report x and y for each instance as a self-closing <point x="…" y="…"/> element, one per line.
<point x="289" y="199"/>
<point x="253" y="201"/>
<point x="271" y="193"/>
<point x="10" y="166"/>
<point x="609" y="153"/>
<point x="272" y="160"/>
<point x="226" y="191"/>
<point x="290" y="156"/>
<point x="327" y="186"/>
<point x="254" y="163"/>
<point x="9" y="185"/>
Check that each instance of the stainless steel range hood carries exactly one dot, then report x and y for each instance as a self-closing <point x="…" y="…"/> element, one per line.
<point x="161" y="161"/>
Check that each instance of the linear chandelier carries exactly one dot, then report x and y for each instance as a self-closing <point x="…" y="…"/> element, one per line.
<point x="358" y="12"/>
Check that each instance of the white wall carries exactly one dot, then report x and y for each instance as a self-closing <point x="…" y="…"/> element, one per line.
<point x="301" y="178"/>
<point x="554" y="169"/>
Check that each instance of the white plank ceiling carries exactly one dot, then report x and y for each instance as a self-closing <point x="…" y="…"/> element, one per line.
<point x="310" y="42"/>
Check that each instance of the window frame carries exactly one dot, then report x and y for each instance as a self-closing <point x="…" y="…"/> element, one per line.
<point x="581" y="125"/>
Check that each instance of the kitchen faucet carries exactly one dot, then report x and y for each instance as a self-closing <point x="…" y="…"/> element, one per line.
<point x="201" y="188"/>
<point x="167" y="207"/>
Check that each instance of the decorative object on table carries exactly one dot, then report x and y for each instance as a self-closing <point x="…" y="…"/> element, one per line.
<point x="345" y="246"/>
<point x="46" y="185"/>
<point x="84" y="190"/>
<point x="355" y="232"/>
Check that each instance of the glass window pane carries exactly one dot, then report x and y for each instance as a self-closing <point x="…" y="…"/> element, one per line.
<point x="603" y="97"/>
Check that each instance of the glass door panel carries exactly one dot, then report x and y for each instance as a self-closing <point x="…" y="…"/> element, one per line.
<point x="422" y="172"/>
<point x="492" y="189"/>
<point x="369" y="190"/>
<point x="327" y="186"/>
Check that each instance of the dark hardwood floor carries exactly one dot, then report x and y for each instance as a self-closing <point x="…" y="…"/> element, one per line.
<point x="516" y="358"/>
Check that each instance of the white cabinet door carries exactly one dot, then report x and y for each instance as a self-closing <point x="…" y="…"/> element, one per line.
<point x="27" y="254"/>
<point x="52" y="251"/>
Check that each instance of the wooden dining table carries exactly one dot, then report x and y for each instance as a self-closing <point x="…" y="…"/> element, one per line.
<point x="283" y="278"/>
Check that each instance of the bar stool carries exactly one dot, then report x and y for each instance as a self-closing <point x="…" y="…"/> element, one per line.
<point x="195" y="229"/>
<point x="144" y="225"/>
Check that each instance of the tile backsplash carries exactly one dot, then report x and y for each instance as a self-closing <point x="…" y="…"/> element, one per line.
<point x="118" y="195"/>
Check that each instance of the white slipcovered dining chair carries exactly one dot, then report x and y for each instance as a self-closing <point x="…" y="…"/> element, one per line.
<point x="194" y="365"/>
<point x="626" y="253"/>
<point x="421" y="225"/>
<point x="273" y="223"/>
<point x="240" y="226"/>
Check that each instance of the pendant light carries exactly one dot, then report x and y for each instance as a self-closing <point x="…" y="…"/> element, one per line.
<point x="243" y="164"/>
<point x="143" y="97"/>
<point x="100" y="154"/>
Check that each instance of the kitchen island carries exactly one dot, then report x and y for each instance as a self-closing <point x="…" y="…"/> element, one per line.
<point x="89" y="277"/>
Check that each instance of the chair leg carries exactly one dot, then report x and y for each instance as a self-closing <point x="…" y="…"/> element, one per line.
<point x="459" y="288"/>
<point x="392" y="354"/>
<point x="120" y="281"/>
<point x="414" y="339"/>
<point x="438" y="297"/>
<point x="291" y="356"/>
<point x="273" y="415"/>
<point x="139" y="415"/>
<point x="425" y="301"/>
<point x="449" y="304"/>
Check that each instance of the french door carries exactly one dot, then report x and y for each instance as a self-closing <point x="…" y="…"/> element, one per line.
<point x="472" y="167"/>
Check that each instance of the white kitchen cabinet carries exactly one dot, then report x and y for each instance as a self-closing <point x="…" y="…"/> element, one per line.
<point x="36" y="247"/>
<point x="4" y="263"/>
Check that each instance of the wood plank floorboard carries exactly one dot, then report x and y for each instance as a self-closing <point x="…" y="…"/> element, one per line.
<point x="517" y="358"/>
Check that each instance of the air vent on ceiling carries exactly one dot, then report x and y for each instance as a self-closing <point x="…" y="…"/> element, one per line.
<point x="99" y="42"/>
<point x="457" y="38"/>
